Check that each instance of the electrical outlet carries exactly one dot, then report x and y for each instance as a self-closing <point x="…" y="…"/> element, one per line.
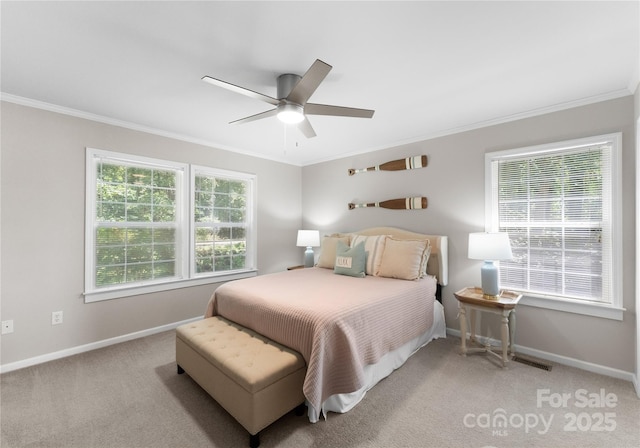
<point x="7" y="326"/>
<point x="56" y="318"/>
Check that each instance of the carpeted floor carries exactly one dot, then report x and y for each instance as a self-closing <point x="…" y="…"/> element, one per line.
<point x="129" y="395"/>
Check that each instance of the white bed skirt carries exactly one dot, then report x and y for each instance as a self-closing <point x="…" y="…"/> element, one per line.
<point x="383" y="368"/>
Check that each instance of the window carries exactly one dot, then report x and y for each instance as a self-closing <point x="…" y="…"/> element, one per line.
<point x="137" y="223"/>
<point x="560" y="205"/>
<point x="221" y="221"/>
<point x="153" y="225"/>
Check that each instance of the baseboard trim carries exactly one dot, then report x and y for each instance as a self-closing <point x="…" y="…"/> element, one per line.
<point x="564" y="360"/>
<point x="92" y="346"/>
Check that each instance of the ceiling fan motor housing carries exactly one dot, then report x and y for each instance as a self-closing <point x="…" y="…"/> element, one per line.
<point x="286" y="83"/>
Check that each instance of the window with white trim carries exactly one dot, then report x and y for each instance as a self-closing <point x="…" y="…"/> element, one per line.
<point x="221" y="221"/>
<point x="560" y="204"/>
<point x="153" y="225"/>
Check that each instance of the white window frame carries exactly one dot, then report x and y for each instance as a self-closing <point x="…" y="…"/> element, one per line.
<point x="184" y="218"/>
<point x="250" y="179"/>
<point x="613" y="310"/>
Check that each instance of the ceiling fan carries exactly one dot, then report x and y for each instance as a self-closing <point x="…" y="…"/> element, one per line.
<point x="293" y="93"/>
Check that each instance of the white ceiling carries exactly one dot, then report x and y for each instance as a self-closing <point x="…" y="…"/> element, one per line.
<point x="427" y="68"/>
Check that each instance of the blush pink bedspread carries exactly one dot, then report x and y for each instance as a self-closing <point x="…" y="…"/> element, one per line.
<point x="338" y="323"/>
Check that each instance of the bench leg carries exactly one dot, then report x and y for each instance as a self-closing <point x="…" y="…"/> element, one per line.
<point x="254" y="440"/>
<point x="299" y="410"/>
<point x="180" y="369"/>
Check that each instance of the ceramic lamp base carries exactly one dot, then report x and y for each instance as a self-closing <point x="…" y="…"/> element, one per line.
<point x="489" y="275"/>
<point x="308" y="257"/>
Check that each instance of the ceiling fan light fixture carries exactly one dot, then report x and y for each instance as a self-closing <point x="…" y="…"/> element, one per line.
<point x="290" y="113"/>
<point x="292" y="105"/>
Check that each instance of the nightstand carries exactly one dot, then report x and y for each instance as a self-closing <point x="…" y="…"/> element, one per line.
<point x="473" y="300"/>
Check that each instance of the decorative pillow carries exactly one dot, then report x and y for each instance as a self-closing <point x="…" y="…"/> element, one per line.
<point x="374" y="246"/>
<point x="350" y="260"/>
<point x="327" y="257"/>
<point x="425" y="259"/>
<point x="404" y="259"/>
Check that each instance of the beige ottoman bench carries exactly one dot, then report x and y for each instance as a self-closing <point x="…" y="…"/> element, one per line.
<point x="255" y="379"/>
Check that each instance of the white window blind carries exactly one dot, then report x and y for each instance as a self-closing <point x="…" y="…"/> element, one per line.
<point x="557" y="203"/>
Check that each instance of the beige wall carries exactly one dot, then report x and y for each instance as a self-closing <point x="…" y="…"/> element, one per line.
<point x="42" y="197"/>
<point x="454" y="185"/>
<point x="43" y="200"/>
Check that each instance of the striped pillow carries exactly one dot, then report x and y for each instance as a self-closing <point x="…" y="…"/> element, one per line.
<point x="374" y="246"/>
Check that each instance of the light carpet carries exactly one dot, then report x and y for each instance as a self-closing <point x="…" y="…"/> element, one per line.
<point x="129" y="395"/>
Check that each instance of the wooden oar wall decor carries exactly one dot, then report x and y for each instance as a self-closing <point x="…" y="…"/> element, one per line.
<point x="415" y="203"/>
<point x="409" y="163"/>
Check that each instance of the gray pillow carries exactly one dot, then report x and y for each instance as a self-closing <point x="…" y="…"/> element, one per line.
<point x="350" y="260"/>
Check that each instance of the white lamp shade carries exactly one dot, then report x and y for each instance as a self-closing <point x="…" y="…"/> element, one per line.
<point x="489" y="246"/>
<point x="308" y="238"/>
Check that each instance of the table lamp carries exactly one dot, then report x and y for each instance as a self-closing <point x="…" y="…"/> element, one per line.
<point x="308" y="239"/>
<point x="490" y="247"/>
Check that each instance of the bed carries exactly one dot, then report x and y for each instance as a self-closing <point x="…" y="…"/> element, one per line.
<point x="354" y="318"/>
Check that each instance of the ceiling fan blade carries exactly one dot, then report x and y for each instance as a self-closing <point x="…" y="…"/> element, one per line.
<point x="325" y="109"/>
<point x="240" y="90"/>
<point x="308" y="84"/>
<point x="255" y="117"/>
<point x="306" y="128"/>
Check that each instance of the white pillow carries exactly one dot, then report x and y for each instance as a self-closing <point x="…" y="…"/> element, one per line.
<point x="405" y="259"/>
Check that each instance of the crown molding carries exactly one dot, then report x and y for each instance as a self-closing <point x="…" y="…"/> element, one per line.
<point x="36" y="104"/>
<point x="423" y="137"/>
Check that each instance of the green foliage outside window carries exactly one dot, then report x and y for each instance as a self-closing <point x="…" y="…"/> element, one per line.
<point x="140" y="212"/>
<point x="135" y="216"/>
<point x="220" y="217"/>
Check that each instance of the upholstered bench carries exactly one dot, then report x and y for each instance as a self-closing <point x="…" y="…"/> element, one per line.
<point x="255" y="379"/>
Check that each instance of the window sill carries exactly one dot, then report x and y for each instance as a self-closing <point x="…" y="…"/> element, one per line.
<point x="571" y="306"/>
<point x="97" y="296"/>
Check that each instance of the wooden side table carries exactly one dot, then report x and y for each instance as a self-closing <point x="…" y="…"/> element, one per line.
<point x="291" y="268"/>
<point x="505" y="306"/>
